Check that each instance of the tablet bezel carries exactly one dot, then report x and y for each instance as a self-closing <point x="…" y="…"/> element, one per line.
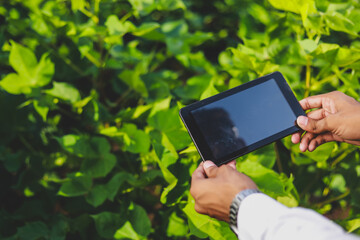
<point x="199" y="140"/>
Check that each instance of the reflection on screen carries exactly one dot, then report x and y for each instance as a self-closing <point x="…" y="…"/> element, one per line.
<point x="244" y="118"/>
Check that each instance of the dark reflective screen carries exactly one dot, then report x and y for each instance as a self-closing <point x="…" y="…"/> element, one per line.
<point x="244" y="118"/>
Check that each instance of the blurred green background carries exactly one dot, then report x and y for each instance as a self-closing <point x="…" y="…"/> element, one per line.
<point x="91" y="143"/>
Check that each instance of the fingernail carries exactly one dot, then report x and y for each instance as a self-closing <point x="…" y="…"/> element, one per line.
<point x="302" y="120"/>
<point x="208" y="164"/>
<point x="302" y="147"/>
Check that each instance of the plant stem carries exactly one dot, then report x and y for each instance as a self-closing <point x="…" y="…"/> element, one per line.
<point x="334" y="199"/>
<point x="341" y="157"/>
<point x="308" y="77"/>
<point x="278" y="161"/>
<point x="28" y="145"/>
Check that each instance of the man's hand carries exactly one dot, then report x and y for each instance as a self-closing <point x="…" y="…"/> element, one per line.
<point x="214" y="188"/>
<point x="337" y="118"/>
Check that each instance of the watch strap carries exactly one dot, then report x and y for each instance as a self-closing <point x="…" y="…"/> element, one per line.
<point x="235" y="205"/>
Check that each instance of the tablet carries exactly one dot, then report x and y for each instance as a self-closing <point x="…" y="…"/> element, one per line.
<point x="242" y="119"/>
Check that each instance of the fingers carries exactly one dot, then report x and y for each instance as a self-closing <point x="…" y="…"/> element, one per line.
<point x="311" y="141"/>
<point x="296" y="137"/>
<point x="317" y="114"/>
<point x="313" y="125"/>
<point x="321" y="139"/>
<point x="210" y="168"/>
<point x="196" y="179"/>
<point x="305" y="140"/>
<point x="311" y="102"/>
<point x="199" y="172"/>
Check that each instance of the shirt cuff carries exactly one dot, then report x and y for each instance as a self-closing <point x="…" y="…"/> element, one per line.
<point x="255" y="214"/>
<point x="261" y="217"/>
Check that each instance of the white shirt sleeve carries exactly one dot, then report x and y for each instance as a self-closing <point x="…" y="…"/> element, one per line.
<point x="261" y="217"/>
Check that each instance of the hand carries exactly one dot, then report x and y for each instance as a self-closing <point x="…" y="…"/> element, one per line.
<point x="337" y="118"/>
<point x="214" y="188"/>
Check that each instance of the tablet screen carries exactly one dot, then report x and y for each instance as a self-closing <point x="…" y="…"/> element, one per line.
<point x="244" y="118"/>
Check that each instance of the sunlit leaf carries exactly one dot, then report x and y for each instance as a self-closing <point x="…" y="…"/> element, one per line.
<point x="127" y="232"/>
<point x="64" y="91"/>
<point x="30" y="73"/>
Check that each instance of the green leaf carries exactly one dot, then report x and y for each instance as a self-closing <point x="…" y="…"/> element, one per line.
<point x="176" y="227"/>
<point x="194" y="87"/>
<point x="33" y="231"/>
<point x="308" y="45"/>
<point x="107" y="223"/>
<point x="30" y="73"/>
<point x="140" y="221"/>
<point x="59" y="228"/>
<point x="75" y="185"/>
<point x="146" y="28"/>
<point x="338" y="22"/>
<point x="294" y="6"/>
<point x="209" y="91"/>
<point x="14" y="84"/>
<point x="102" y="162"/>
<point x="353" y="225"/>
<point x="134" y="81"/>
<point x="321" y="153"/>
<point x="97" y="195"/>
<point x="179" y="138"/>
<point x="170" y="5"/>
<point x="266" y="179"/>
<point x="166" y="120"/>
<point x="23" y="60"/>
<point x="116" y="182"/>
<point x="64" y="91"/>
<point x="206" y="225"/>
<point x="176" y="34"/>
<point x="77" y="5"/>
<point x="138" y="140"/>
<point x="327" y="51"/>
<point x="42" y="110"/>
<point x="77" y="145"/>
<point x="168" y="189"/>
<point x="127" y="232"/>
<point x="133" y="139"/>
<point x="98" y="161"/>
<point x="98" y="166"/>
<point x="12" y="162"/>
<point x="116" y="27"/>
<point x="337" y="183"/>
<point x="143" y="7"/>
<point x="347" y="56"/>
<point x="177" y="45"/>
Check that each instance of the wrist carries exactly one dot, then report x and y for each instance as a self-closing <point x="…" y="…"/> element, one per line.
<point x="235" y="206"/>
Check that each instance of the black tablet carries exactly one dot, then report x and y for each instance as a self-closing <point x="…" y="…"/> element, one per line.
<point x="242" y="119"/>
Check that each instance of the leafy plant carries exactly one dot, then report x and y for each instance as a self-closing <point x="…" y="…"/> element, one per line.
<point x="92" y="145"/>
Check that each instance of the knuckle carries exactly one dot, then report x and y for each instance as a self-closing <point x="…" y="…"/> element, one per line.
<point x="336" y="93"/>
<point x="324" y="114"/>
<point x="314" y="128"/>
<point x="193" y="192"/>
<point x="198" y="209"/>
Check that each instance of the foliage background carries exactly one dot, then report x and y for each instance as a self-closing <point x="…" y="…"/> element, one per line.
<point x="91" y="144"/>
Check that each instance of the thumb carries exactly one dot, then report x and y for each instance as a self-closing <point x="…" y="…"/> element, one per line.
<point x="312" y="125"/>
<point x="210" y="168"/>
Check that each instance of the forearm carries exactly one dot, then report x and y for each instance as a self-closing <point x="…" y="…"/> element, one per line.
<point x="261" y="217"/>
